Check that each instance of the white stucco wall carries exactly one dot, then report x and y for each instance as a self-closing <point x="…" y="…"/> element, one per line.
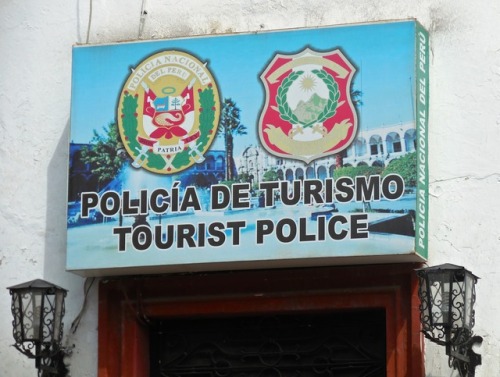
<point x="35" y="77"/>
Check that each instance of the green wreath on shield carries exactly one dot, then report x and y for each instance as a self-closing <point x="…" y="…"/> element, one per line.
<point x="330" y="108"/>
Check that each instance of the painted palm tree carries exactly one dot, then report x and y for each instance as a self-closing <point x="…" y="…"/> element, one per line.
<point x="356" y="100"/>
<point x="229" y="127"/>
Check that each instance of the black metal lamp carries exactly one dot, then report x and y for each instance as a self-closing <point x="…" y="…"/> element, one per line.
<point x="38" y="309"/>
<point x="447" y="296"/>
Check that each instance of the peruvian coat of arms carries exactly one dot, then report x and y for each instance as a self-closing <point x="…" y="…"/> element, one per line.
<point x="168" y="112"/>
<point x="308" y="111"/>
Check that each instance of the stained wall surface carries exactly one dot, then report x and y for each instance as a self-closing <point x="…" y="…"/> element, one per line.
<point x="35" y="83"/>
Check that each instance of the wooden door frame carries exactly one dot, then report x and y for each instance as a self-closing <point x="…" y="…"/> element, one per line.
<point x="127" y="304"/>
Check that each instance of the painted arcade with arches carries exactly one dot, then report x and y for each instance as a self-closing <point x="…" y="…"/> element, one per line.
<point x="377" y="147"/>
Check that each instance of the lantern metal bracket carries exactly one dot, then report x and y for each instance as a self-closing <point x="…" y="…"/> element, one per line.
<point x="463" y="358"/>
<point x="52" y="365"/>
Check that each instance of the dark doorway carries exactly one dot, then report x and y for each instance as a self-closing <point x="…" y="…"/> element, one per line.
<point x="341" y="344"/>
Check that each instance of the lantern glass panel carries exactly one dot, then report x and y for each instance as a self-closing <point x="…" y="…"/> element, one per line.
<point x="17" y="313"/>
<point x="458" y="304"/>
<point x="441" y="300"/>
<point x="58" y="314"/>
<point x="469" y="301"/>
<point x="31" y="306"/>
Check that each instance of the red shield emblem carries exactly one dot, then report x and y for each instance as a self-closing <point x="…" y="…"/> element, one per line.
<point x="308" y="112"/>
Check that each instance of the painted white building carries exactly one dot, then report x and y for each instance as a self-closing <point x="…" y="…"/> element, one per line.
<point x="36" y="38"/>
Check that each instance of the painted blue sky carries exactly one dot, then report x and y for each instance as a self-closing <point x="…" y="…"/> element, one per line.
<point x="383" y="54"/>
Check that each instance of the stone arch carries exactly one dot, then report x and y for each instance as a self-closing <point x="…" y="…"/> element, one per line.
<point x="393" y="143"/>
<point x="280" y="174"/>
<point x="299" y="174"/>
<point x="322" y="173"/>
<point x="209" y="163"/>
<point x="219" y="163"/>
<point x="310" y="173"/>
<point x="331" y="170"/>
<point x="376" y="145"/>
<point x="359" y="147"/>
<point x="410" y="140"/>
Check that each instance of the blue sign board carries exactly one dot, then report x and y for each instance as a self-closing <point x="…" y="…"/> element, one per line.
<point x="290" y="148"/>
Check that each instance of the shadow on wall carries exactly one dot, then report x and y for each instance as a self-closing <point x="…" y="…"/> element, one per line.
<point x="81" y="342"/>
<point x="55" y="228"/>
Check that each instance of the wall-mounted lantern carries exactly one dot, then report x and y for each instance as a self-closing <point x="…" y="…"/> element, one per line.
<point x="38" y="309"/>
<point x="447" y="296"/>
